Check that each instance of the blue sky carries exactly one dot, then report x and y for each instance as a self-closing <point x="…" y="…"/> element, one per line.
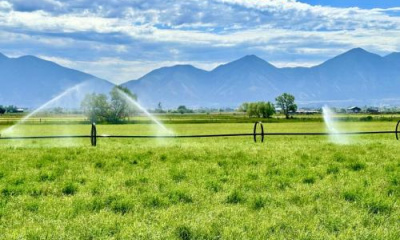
<point x="122" y="40"/>
<point x="366" y="4"/>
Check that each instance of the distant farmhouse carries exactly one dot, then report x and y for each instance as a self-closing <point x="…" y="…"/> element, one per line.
<point x="372" y="110"/>
<point x="307" y="111"/>
<point x="354" y="109"/>
<point x="11" y="109"/>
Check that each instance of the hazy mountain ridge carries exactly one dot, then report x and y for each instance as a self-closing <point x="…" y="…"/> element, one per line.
<point x="354" y="77"/>
<point x="29" y="81"/>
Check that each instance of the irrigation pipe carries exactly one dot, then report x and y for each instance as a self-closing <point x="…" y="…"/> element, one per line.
<point x="93" y="134"/>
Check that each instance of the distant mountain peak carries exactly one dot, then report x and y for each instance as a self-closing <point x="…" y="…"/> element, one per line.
<point x="393" y="58"/>
<point x="183" y="66"/>
<point x="353" y="56"/>
<point x="359" y="52"/>
<point x="393" y="55"/>
<point x="178" y="68"/>
<point x="249" y="62"/>
<point x="30" y="57"/>
<point x="30" y="81"/>
<point x="251" y="58"/>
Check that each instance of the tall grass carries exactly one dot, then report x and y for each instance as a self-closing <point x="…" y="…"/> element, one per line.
<point x="225" y="188"/>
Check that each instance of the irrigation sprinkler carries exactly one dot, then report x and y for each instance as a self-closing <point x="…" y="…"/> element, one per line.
<point x="255" y="131"/>
<point x="94" y="136"/>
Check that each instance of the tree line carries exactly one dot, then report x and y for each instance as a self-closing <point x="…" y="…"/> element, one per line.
<point x="267" y="109"/>
<point x="99" y="108"/>
<point x="8" y="109"/>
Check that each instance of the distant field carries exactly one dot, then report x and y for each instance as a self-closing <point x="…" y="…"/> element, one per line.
<point x="218" y="188"/>
<point x="235" y="117"/>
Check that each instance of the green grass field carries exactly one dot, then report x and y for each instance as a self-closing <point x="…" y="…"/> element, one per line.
<point x="298" y="187"/>
<point x="228" y="117"/>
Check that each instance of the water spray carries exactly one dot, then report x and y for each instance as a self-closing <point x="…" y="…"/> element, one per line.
<point x="44" y="106"/>
<point x="136" y="104"/>
<point x="333" y="127"/>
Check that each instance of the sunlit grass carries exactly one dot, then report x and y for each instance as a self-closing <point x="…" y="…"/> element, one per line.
<point x="230" y="188"/>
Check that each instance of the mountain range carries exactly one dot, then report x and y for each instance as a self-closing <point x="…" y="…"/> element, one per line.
<point x="29" y="82"/>
<point x="356" y="77"/>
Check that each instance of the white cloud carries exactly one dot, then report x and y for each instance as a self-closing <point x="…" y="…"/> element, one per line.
<point x="123" y="40"/>
<point x="4" y="6"/>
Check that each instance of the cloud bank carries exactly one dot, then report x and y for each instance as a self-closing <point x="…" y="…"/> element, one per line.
<point x="122" y="40"/>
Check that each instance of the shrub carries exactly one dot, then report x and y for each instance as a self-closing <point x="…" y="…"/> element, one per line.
<point x="121" y="206"/>
<point x="99" y="164"/>
<point x="178" y="176"/>
<point x="366" y="119"/>
<point x="179" y="197"/>
<point x="309" y="180"/>
<point x="154" y="202"/>
<point x="378" y="207"/>
<point x="357" y="166"/>
<point x="234" y="198"/>
<point x="130" y="183"/>
<point x="350" y="196"/>
<point x="69" y="189"/>
<point x="47" y="177"/>
<point x="258" y="203"/>
<point x="332" y="170"/>
<point x="213" y="186"/>
<point x="184" y="233"/>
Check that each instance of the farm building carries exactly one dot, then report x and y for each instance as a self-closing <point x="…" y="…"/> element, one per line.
<point x="354" y="110"/>
<point x="372" y="110"/>
<point x="307" y="111"/>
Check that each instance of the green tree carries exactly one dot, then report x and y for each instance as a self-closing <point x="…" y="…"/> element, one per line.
<point x="286" y="102"/>
<point x="243" y="107"/>
<point x="159" y="108"/>
<point x="260" y="109"/>
<point x="11" y="109"/>
<point x="182" y="109"/>
<point x="120" y="106"/>
<point x="252" y="110"/>
<point x="2" y="110"/>
<point x="265" y="109"/>
<point x="96" y="107"/>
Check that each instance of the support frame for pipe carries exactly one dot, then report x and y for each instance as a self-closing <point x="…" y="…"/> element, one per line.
<point x="255" y="131"/>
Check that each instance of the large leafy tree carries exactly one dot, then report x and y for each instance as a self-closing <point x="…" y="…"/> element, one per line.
<point x="182" y="109"/>
<point x="286" y="102"/>
<point x="96" y="107"/>
<point x="2" y="110"/>
<point x="243" y="107"/>
<point x="265" y="109"/>
<point x="11" y="109"/>
<point x="121" y="105"/>
<point x="258" y="109"/>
